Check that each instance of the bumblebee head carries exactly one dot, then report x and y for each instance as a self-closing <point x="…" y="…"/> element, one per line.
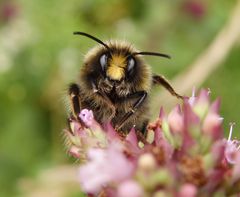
<point x="117" y="60"/>
<point x="117" y="64"/>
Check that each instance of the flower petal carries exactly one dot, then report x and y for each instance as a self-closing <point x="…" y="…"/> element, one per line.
<point x="104" y="167"/>
<point x="132" y="138"/>
<point x="188" y="190"/>
<point x="129" y="188"/>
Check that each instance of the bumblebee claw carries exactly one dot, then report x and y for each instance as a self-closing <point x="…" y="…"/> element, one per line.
<point x="116" y="128"/>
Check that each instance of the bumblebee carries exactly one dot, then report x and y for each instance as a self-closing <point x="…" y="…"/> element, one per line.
<point x="114" y="83"/>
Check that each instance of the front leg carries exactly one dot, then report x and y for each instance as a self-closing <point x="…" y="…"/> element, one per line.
<point x="100" y="93"/>
<point x="141" y="95"/>
<point x="105" y="98"/>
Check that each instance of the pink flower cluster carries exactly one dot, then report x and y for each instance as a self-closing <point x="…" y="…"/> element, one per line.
<point x="183" y="155"/>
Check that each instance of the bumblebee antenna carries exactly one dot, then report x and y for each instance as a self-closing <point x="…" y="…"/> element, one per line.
<point x="152" y="54"/>
<point x="93" y="38"/>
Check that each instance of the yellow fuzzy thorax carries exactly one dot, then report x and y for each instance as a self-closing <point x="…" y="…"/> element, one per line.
<point x="117" y="65"/>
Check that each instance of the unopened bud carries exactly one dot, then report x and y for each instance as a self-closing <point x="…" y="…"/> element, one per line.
<point x="147" y="162"/>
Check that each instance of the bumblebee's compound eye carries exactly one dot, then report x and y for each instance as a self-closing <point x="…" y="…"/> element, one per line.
<point x="131" y="64"/>
<point x="103" y="61"/>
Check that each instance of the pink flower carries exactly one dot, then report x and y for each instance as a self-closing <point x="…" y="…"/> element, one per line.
<point x="175" y="120"/>
<point x="160" y="141"/>
<point x="110" y="131"/>
<point x="184" y="156"/>
<point x="232" y="151"/>
<point x="132" y="138"/>
<point x="236" y="168"/>
<point x="76" y="127"/>
<point x="212" y="124"/>
<point x="129" y="188"/>
<point x="105" y="166"/>
<point x="87" y="117"/>
<point x="217" y="151"/>
<point x="201" y="104"/>
<point x="74" y="151"/>
<point x="188" y="190"/>
<point x="191" y="122"/>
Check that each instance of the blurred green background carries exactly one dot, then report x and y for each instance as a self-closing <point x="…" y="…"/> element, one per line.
<point x="39" y="57"/>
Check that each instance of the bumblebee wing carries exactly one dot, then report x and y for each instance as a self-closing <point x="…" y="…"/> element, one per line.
<point x="161" y="80"/>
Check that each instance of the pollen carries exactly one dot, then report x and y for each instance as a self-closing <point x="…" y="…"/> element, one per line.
<point x="116" y="67"/>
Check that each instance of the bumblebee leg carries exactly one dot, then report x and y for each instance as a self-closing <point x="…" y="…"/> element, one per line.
<point x="74" y="91"/>
<point x="144" y="128"/>
<point x="142" y="96"/>
<point x="106" y="98"/>
<point x="100" y="93"/>
<point x="158" y="79"/>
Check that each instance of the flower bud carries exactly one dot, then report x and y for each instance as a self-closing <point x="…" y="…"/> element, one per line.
<point x="87" y="117"/>
<point x="188" y="190"/>
<point x="212" y="124"/>
<point x="74" y="151"/>
<point x="129" y="188"/>
<point x="147" y="162"/>
<point x="175" y="120"/>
